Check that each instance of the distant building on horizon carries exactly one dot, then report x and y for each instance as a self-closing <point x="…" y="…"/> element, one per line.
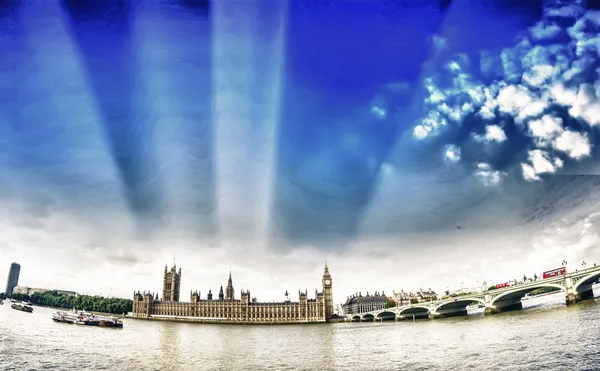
<point x="359" y="304"/>
<point x="13" y="278"/>
<point x="32" y="290"/>
<point x="405" y="298"/>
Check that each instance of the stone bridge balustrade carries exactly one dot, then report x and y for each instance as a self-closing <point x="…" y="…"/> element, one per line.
<point x="577" y="286"/>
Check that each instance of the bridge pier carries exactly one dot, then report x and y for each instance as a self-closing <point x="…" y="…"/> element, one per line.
<point x="489" y="309"/>
<point x="507" y="308"/>
<point x="576" y="297"/>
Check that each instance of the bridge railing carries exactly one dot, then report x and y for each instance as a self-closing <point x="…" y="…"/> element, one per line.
<point x="480" y="295"/>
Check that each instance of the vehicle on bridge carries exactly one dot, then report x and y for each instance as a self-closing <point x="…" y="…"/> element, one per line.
<point x="501" y="285"/>
<point x="554" y="273"/>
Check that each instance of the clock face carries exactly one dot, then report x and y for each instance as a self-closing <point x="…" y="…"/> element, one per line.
<point x="327" y="282"/>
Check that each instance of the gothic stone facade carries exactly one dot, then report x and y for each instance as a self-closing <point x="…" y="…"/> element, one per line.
<point x="226" y="308"/>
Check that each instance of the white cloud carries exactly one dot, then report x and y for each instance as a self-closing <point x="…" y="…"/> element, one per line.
<point x="532" y="109"/>
<point x="457" y="113"/>
<point x="512" y="98"/>
<point x="431" y="123"/>
<point x="529" y="173"/>
<point x="493" y="133"/>
<point x="487" y="175"/>
<point x="452" y="153"/>
<point x="421" y="131"/>
<point x="540" y="162"/>
<point x="563" y="95"/>
<point x="379" y="107"/>
<point x="567" y="12"/>
<point x="543" y="32"/>
<point x="544" y="76"/>
<point x="575" y="144"/>
<point x="545" y="129"/>
<point x="538" y="75"/>
<point x="518" y="102"/>
<point x="586" y="106"/>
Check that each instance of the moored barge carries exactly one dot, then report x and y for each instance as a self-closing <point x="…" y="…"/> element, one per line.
<point x="23" y="308"/>
<point x="86" y="319"/>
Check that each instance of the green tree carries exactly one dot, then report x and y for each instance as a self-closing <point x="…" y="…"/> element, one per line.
<point x="390" y="304"/>
<point x="82" y="302"/>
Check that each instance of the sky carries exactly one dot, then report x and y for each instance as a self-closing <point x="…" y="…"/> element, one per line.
<point x="409" y="145"/>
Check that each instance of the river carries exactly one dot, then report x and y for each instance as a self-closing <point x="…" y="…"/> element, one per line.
<point x="545" y="335"/>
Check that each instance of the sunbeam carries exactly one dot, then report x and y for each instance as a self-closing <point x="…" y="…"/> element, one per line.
<point x="248" y="58"/>
<point x="103" y="34"/>
<point x="53" y="150"/>
<point x="179" y="82"/>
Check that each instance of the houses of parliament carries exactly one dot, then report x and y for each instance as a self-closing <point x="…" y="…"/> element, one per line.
<point x="227" y="308"/>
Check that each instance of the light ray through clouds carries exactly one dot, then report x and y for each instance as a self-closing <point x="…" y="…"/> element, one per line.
<point x="248" y="57"/>
<point x="53" y="154"/>
<point x="179" y="81"/>
<point x="104" y="35"/>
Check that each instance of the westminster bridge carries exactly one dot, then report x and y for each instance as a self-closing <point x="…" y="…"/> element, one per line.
<point x="577" y="286"/>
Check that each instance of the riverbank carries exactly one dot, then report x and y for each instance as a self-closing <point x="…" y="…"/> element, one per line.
<point x="87" y="311"/>
<point x="224" y="321"/>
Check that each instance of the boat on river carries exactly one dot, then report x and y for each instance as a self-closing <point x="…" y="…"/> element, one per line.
<point x="21" y="307"/>
<point x="86" y="319"/>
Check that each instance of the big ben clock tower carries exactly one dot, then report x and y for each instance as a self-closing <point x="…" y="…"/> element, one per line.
<point x="327" y="293"/>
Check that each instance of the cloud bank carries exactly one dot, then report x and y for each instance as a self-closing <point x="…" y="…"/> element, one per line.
<point x="547" y="86"/>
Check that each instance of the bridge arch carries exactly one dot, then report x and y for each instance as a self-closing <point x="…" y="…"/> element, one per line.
<point x="385" y="314"/>
<point x="416" y="306"/>
<point x="367" y="317"/>
<point x="586" y="280"/>
<point x="519" y="292"/>
<point x="460" y="303"/>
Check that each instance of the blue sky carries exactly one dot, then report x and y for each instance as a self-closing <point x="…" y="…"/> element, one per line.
<point x="401" y="142"/>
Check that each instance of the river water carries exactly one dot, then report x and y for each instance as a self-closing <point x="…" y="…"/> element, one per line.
<point x="546" y="335"/>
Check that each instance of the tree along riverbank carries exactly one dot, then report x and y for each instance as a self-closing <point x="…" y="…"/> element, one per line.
<point x="98" y="304"/>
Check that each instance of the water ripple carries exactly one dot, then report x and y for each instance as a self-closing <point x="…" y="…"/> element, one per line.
<point x="559" y="338"/>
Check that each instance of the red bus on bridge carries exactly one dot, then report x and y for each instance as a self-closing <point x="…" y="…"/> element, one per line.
<point x="555" y="272"/>
<point x="501" y="285"/>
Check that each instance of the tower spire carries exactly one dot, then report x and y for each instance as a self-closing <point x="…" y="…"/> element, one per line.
<point x="229" y="293"/>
